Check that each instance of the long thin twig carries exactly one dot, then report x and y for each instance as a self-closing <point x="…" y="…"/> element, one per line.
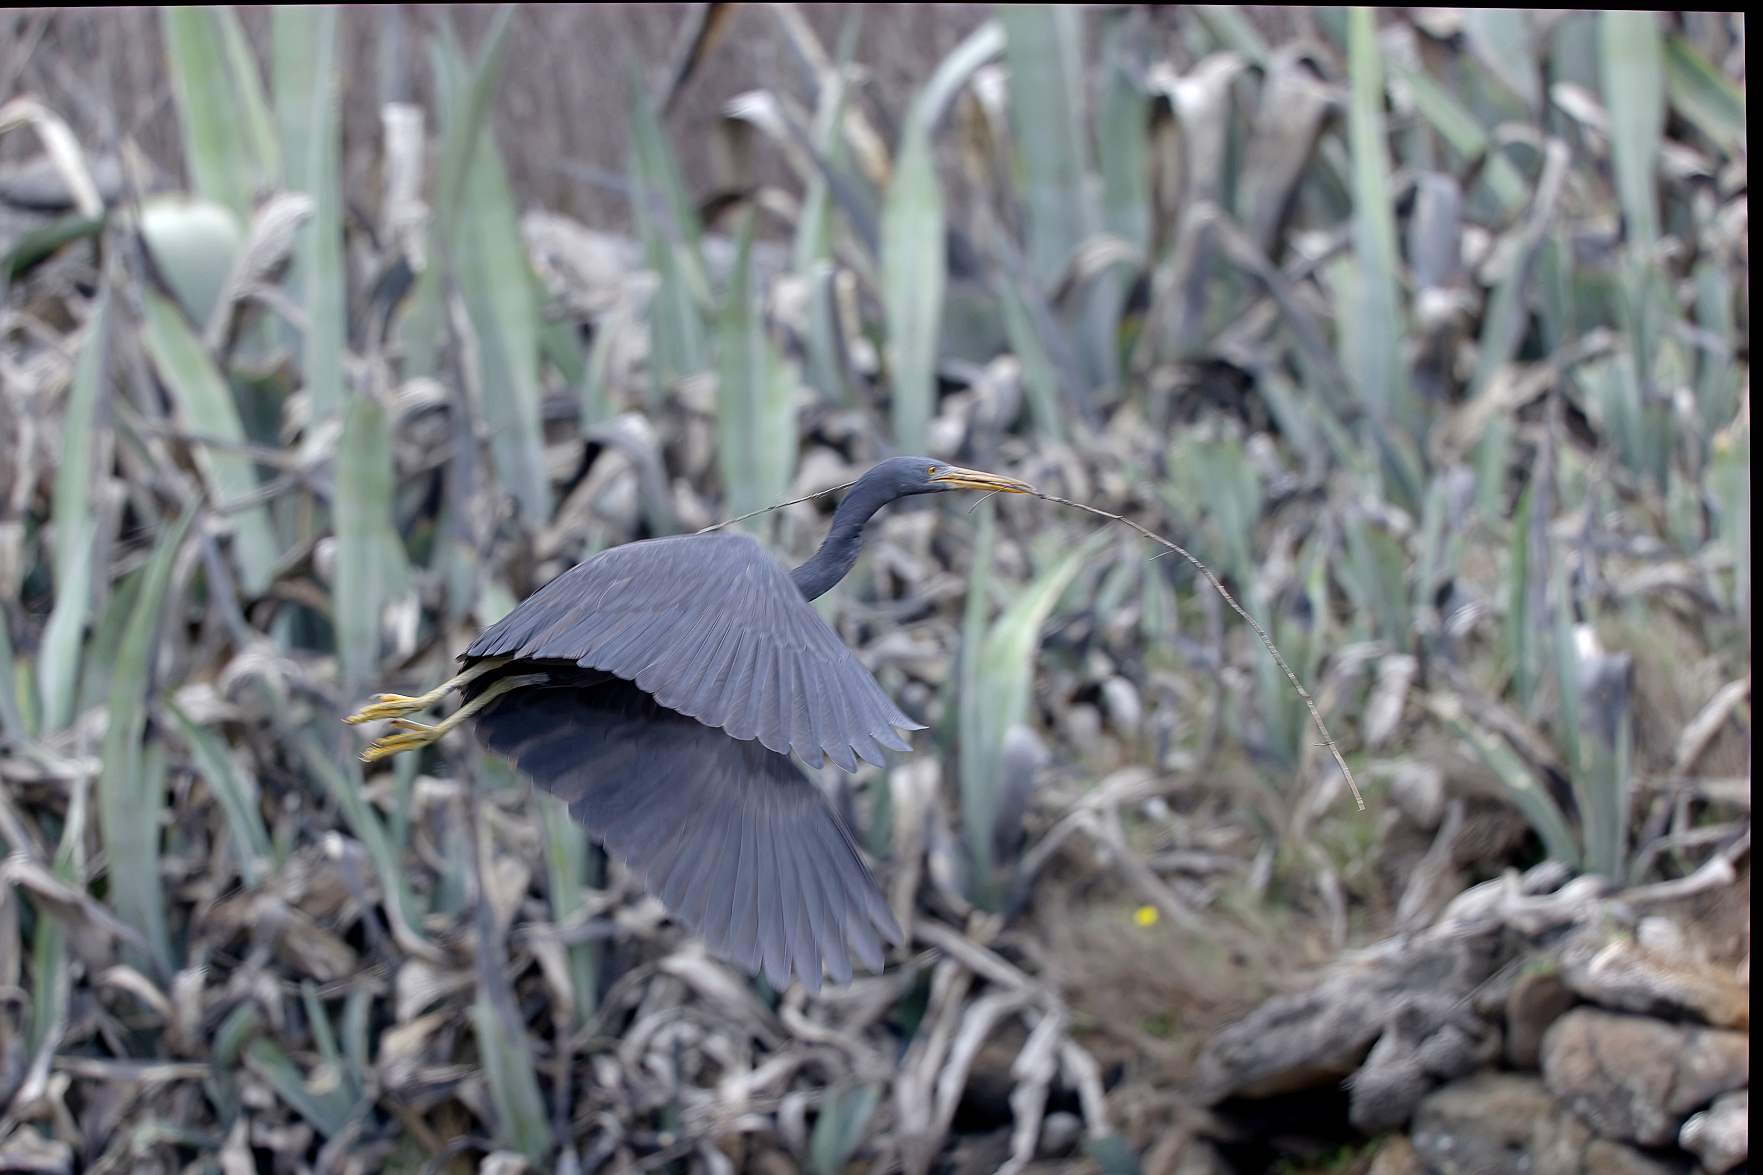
<point x="1266" y="641"/>
<point x="777" y="506"/>
<point x="1217" y="586"/>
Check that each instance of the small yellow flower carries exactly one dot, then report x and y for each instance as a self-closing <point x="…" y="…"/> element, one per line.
<point x="1145" y="916"/>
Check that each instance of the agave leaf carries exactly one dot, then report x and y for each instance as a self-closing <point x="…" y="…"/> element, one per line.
<point x="464" y="98"/>
<point x="569" y="869"/>
<point x="839" y="1129"/>
<point x="130" y="786"/>
<point x="1525" y="790"/>
<point x="1039" y="376"/>
<point x="755" y="414"/>
<point x="1521" y="653"/>
<point x="58" y="660"/>
<point x="343" y="782"/>
<point x="1233" y="30"/>
<point x="813" y="253"/>
<point x="237" y="792"/>
<point x="327" y="1108"/>
<point x="913" y="278"/>
<point x="1226" y="481"/>
<point x="1377" y="578"/>
<point x="1568" y="733"/>
<point x="37" y="244"/>
<point x="75" y="527"/>
<point x="306" y="102"/>
<point x="1604" y="705"/>
<point x="205" y="406"/>
<point x="1729" y="480"/>
<point x="1507" y="312"/>
<point x="1633" y="60"/>
<point x="1717" y="385"/>
<point x="996" y="688"/>
<point x="1503" y="39"/>
<point x="12" y="678"/>
<point x="49" y="980"/>
<point x="193" y="244"/>
<point x="1044" y="50"/>
<point x="1122" y="138"/>
<point x="370" y="553"/>
<point x="495" y="279"/>
<point x="1374" y="326"/>
<point x="668" y="226"/>
<point x="912" y="285"/>
<point x="509" y="1069"/>
<point x="1458" y="126"/>
<point x="254" y="123"/>
<point x="229" y="144"/>
<point x="1705" y="96"/>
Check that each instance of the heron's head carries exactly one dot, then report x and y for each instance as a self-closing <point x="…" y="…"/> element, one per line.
<point x="924" y="475"/>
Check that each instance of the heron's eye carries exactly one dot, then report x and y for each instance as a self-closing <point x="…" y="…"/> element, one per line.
<point x="931" y="472"/>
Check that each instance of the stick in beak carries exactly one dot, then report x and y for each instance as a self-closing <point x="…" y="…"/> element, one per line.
<point x="957" y="478"/>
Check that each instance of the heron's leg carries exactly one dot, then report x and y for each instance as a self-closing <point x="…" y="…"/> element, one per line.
<point x="412" y="735"/>
<point x="398" y="705"/>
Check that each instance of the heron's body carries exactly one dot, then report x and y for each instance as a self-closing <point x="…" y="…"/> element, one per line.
<point x="660" y="688"/>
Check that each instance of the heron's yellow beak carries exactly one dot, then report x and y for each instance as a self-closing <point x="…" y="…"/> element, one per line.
<point x="957" y="478"/>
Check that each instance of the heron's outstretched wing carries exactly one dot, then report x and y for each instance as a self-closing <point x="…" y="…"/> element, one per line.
<point x="730" y="836"/>
<point x="714" y="628"/>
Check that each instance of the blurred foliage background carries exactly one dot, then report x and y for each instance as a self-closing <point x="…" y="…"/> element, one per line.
<point x="326" y="335"/>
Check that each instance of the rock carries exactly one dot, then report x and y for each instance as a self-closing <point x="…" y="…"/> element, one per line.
<point x="1497" y="1122"/>
<point x="1385" y="1090"/>
<point x="1635" y="1079"/>
<point x="1720" y="1135"/>
<point x="1060" y="1132"/>
<point x="1180" y="1152"/>
<point x="1319" y="1036"/>
<point x="1538" y="998"/>
<point x="1418" y="791"/>
<point x="1396" y="1157"/>
<point x="1603" y="1157"/>
<point x="1120" y="698"/>
<point x="1663" y="938"/>
<point x="1626" y="976"/>
<point x="1383" y="712"/>
<point x="1082" y="727"/>
<point x="1416" y="1052"/>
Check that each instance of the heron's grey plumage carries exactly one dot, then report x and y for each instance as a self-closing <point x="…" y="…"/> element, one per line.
<point x="660" y="689"/>
<point x="731" y="836"/>
<point x="711" y="626"/>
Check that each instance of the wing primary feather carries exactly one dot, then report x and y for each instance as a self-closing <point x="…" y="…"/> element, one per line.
<point x="798" y="937"/>
<point x="720" y="907"/>
<point x="835" y="949"/>
<point x="744" y="924"/>
<point x="774" y="914"/>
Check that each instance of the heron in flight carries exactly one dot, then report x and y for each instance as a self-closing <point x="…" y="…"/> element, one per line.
<point x="660" y="689"/>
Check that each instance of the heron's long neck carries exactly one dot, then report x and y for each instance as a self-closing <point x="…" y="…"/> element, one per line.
<point x="839" y="552"/>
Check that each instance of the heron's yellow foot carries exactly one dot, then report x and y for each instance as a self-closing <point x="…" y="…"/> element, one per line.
<point x="396" y="744"/>
<point x="398" y="705"/>
<point x="390" y="706"/>
<point x="413" y="735"/>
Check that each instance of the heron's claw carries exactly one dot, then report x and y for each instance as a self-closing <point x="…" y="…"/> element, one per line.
<point x="413" y="737"/>
<point x="388" y="706"/>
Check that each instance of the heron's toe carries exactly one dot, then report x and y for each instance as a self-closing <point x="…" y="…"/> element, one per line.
<point x="385" y="706"/>
<point x="397" y="744"/>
